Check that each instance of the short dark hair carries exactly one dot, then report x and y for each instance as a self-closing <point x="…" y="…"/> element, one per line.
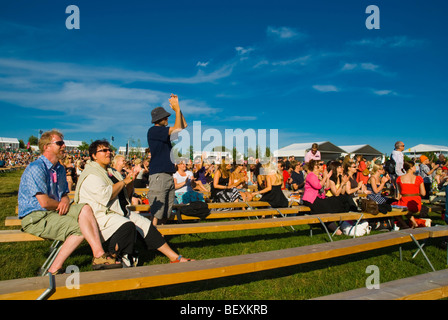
<point x="94" y="147"/>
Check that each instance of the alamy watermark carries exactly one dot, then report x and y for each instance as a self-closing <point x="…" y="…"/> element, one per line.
<point x="373" y="281"/>
<point x="236" y="145"/>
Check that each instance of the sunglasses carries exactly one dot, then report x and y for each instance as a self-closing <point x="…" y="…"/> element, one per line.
<point x="104" y="150"/>
<point x="59" y="143"/>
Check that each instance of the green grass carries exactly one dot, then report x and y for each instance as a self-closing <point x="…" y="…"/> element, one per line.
<point x="18" y="260"/>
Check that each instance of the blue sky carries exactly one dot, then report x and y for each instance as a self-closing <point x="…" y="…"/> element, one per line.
<point x="312" y="70"/>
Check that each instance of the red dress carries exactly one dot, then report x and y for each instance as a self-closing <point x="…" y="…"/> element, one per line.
<point x="414" y="200"/>
<point x="360" y="177"/>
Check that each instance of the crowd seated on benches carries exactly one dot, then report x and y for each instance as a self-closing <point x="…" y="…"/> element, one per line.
<point x="341" y="181"/>
<point x="13" y="159"/>
<point x="325" y="187"/>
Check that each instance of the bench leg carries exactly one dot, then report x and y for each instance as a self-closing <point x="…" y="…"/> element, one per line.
<point x="283" y="215"/>
<point x="50" y="290"/>
<point x="356" y="224"/>
<point x="418" y="250"/>
<point x="325" y="228"/>
<point x="54" y="250"/>
<point x="420" y="247"/>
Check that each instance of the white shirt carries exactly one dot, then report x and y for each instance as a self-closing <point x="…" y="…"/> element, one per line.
<point x="96" y="192"/>
<point x="179" y="179"/>
<point x="399" y="161"/>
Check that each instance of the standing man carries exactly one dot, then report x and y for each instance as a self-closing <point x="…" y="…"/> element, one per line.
<point x="398" y="157"/>
<point x="161" y="168"/>
<point x="45" y="210"/>
<point x="313" y="154"/>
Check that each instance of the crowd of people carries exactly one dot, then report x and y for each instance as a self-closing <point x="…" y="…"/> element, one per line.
<point x="104" y="186"/>
<point x="13" y="159"/>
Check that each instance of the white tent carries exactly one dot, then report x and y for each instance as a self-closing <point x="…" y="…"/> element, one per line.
<point x="422" y="148"/>
<point x="72" y="145"/>
<point x="9" y="143"/>
<point x="363" y="149"/>
<point x="327" y="150"/>
<point x="122" y="150"/>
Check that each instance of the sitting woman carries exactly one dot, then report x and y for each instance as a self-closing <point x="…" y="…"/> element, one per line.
<point x="239" y="178"/>
<point x="377" y="181"/>
<point x="272" y="179"/>
<point x="314" y="195"/>
<point x="352" y="187"/>
<point x="142" y="169"/>
<point x="102" y="190"/>
<point x="411" y="189"/>
<point x="337" y="180"/>
<point x="223" y="190"/>
<point x="117" y="169"/>
<point x="183" y="180"/>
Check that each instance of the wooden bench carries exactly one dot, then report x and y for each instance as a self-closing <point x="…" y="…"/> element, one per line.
<point x="100" y="282"/>
<point x="177" y="229"/>
<point x="206" y="227"/>
<point x="15" y="221"/>
<point x="428" y="286"/>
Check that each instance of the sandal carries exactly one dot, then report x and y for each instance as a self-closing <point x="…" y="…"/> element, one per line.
<point x="179" y="258"/>
<point x="106" y="261"/>
<point x="59" y="271"/>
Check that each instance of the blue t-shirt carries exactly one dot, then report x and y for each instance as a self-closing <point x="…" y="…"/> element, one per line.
<point x="159" y="144"/>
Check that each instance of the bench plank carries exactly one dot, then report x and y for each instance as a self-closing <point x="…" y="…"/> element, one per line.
<point x="17" y="236"/>
<point x="99" y="282"/>
<point x="428" y="286"/>
<point x="206" y="227"/>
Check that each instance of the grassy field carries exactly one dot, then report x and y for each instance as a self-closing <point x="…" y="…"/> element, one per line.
<point x="19" y="260"/>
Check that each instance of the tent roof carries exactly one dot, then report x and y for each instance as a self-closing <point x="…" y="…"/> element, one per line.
<point x="363" y="149"/>
<point x="72" y="143"/>
<point x="9" y="140"/>
<point x="300" y="149"/>
<point x="420" y="148"/>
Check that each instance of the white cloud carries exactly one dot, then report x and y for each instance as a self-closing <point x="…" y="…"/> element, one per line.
<point x="88" y="99"/>
<point x="297" y="61"/>
<point x="57" y="70"/>
<point x="284" y="33"/>
<point x="363" y="66"/>
<point x="326" y="88"/>
<point x="349" y="66"/>
<point x="391" y="42"/>
<point x="202" y="64"/>
<point x="241" y="118"/>
<point x="243" y="51"/>
<point x="385" y="92"/>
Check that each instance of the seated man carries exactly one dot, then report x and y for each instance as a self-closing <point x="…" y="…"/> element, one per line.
<point x="45" y="209"/>
<point x="297" y="178"/>
<point x="108" y="194"/>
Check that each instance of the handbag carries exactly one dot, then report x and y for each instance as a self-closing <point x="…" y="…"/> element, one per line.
<point x="369" y="206"/>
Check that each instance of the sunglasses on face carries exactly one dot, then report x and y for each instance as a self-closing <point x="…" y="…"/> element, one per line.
<point x="104" y="150"/>
<point x="59" y="143"/>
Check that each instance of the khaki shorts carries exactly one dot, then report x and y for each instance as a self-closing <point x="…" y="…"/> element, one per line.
<point x="50" y="225"/>
<point x="161" y="195"/>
